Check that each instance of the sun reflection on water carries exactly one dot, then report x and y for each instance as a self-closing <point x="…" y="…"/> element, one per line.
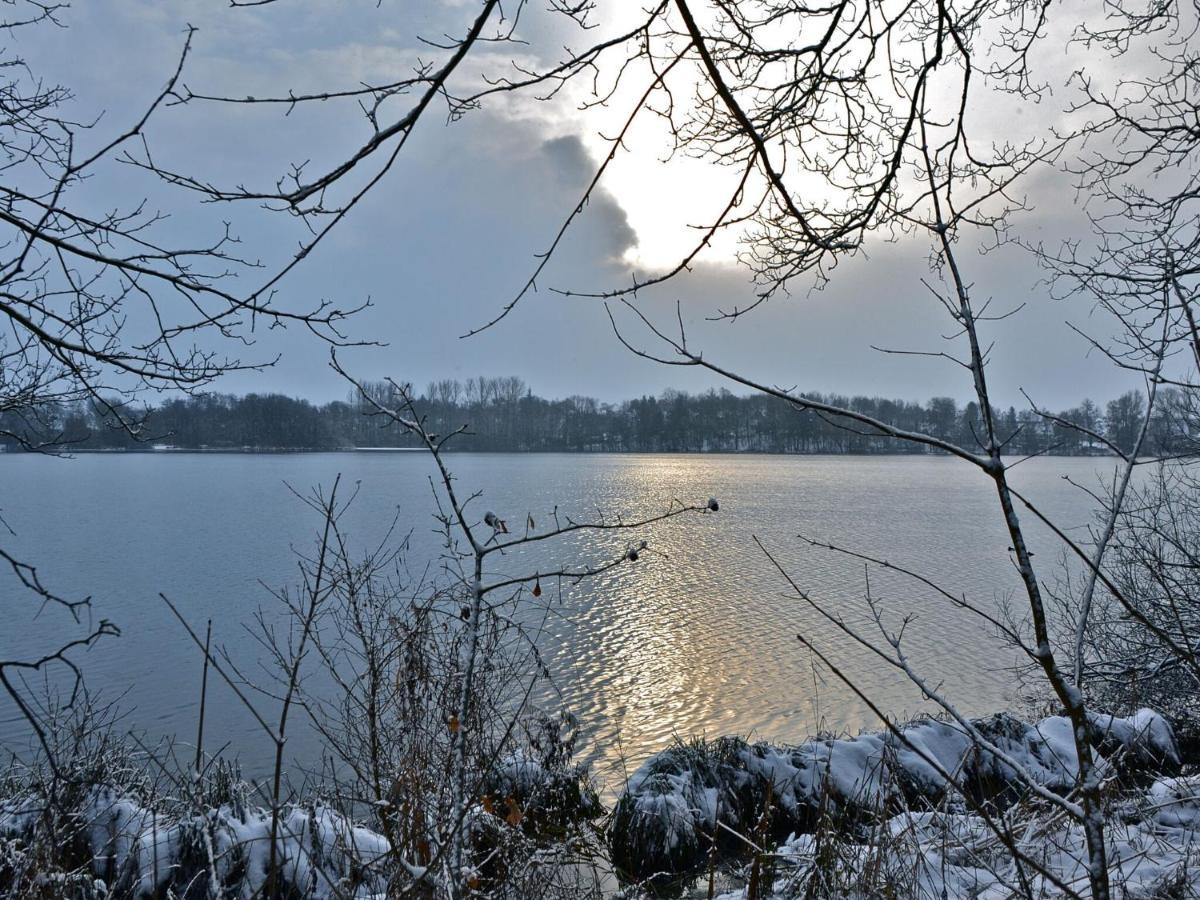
<point x="699" y="637"/>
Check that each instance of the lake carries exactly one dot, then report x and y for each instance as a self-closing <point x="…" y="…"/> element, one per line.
<point x="698" y="637"/>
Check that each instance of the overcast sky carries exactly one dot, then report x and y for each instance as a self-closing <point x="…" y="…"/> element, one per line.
<point x="453" y="230"/>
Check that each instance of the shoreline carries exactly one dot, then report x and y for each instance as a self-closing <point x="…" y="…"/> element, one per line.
<point x="176" y="451"/>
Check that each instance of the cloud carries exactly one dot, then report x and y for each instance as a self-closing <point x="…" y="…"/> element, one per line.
<point x="604" y="217"/>
<point x="453" y="231"/>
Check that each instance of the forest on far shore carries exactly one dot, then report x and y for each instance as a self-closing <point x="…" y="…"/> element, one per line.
<point x="502" y="414"/>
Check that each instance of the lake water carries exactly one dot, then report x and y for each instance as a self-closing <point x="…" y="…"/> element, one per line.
<point x="699" y="639"/>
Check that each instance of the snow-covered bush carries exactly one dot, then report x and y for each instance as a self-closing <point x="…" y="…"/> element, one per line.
<point x="540" y="784"/>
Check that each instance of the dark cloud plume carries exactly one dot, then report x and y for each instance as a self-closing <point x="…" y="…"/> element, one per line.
<point x="608" y="221"/>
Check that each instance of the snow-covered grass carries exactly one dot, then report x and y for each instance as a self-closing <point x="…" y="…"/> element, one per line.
<point x="685" y="799"/>
<point x="1153" y="852"/>
<point x="854" y="817"/>
<point x="115" y="841"/>
<point x="117" y="822"/>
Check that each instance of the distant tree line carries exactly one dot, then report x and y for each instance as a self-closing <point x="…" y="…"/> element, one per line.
<point x="502" y="414"/>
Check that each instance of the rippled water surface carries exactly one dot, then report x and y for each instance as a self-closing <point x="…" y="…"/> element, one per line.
<point x="697" y="638"/>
